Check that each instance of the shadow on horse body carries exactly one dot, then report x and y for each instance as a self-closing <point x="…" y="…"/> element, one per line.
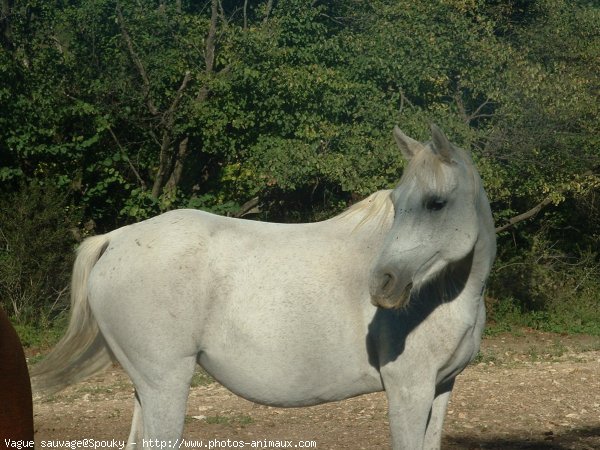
<point x="16" y="413"/>
<point x="387" y="295"/>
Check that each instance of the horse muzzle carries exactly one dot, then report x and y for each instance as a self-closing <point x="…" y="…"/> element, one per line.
<point x="388" y="291"/>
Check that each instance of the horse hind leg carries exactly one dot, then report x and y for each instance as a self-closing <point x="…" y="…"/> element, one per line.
<point x="162" y="398"/>
<point x="136" y="425"/>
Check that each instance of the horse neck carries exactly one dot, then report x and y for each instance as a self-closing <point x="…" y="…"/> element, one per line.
<point x="484" y="251"/>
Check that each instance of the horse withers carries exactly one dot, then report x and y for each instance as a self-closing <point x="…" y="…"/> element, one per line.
<point x="385" y="296"/>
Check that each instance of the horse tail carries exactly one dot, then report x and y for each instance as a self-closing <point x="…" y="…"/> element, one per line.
<point x="82" y="351"/>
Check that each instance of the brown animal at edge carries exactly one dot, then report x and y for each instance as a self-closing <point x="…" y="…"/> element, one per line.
<point x="16" y="409"/>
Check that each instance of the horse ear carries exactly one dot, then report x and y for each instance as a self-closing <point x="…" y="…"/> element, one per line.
<point x="441" y="145"/>
<point x="407" y="145"/>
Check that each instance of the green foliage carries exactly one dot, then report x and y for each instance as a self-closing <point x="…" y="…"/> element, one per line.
<point x="546" y="289"/>
<point x="37" y="243"/>
<point x="120" y="107"/>
<point x="44" y="333"/>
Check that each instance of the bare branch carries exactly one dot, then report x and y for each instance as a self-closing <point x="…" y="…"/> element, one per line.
<point x="124" y="154"/>
<point x="137" y="61"/>
<point x="476" y="114"/>
<point x="167" y="159"/>
<point x="223" y="15"/>
<point x="209" y="50"/>
<point x="537" y="208"/>
<point x="169" y="114"/>
<point x="526" y="215"/>
<point x="462" y="110"/>
<point x="250" y="207"/>
<point x="209" y="54"/>
<point x="333" y="19"/>
<point x="176" y="173"/>
<point x="163" y="164"/>
<point x="403" y="100"/>
<point x="59" y="295"/>
<point x="268" y="12"/>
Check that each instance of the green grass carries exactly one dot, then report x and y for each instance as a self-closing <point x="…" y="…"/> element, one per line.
<point x="201" y="378"/>
<point x="485" y="357"/>
<point x="41" y="336"/>
<point x="239" y="420"/>
<point x="570" y="316"/>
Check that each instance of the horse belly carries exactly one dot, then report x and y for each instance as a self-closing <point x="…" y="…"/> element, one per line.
<point x="288" y="354"/>
<point x="289" y="383"/>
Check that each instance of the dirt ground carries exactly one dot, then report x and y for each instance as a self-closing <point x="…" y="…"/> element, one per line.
<point x="530" y="391"/>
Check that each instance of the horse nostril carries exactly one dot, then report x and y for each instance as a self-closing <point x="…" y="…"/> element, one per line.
<point x="387" y="282"/>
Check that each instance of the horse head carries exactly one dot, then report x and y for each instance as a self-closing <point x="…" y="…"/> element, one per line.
<point x="436" y="218"/>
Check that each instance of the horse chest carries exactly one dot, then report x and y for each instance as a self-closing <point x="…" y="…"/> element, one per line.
<point x="464" y="345"/>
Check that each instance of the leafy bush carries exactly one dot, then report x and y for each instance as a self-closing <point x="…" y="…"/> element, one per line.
<point x="36" y="252"/>
<point x="142" y="107"/>
<point x="546" y="289"/>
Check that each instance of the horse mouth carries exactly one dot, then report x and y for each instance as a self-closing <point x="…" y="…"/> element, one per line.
<point x="387" y="299"/>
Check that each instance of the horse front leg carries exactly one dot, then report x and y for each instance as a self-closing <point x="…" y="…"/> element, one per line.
<point x="433" y="435"/>
<point x="410" y="400"/>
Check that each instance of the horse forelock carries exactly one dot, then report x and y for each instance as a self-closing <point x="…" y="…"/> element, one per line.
<point x="436" y="177"/>
<point x="428" y="172"/>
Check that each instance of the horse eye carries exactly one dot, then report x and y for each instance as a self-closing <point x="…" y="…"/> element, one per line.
<point x="435" y="204"/>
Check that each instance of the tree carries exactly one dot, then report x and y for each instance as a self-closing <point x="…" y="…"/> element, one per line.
<point x="285" y="108"/>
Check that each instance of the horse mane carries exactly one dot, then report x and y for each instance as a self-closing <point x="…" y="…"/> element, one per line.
<point x="377" y="205"/>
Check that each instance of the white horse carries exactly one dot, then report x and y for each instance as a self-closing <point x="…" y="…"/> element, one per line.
<point x="293" y="315"/>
